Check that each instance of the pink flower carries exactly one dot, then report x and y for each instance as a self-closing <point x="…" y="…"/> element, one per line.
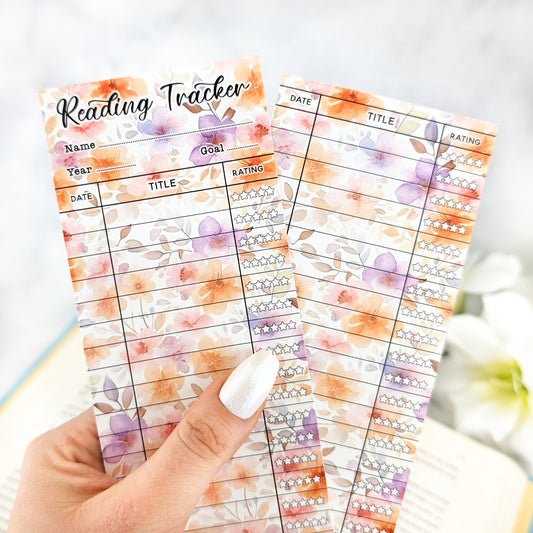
<point x="143" y="347"/>
<point x="61" y="159"/>
<point x="332" y="341"/>
<point x="191" y="319"/>
<point x="177" y="348"/>
<point x="73" y="234"/>
<point x="99" y="266"/>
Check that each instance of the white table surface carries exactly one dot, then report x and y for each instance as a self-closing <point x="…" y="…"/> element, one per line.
<point x="468" y="57"/>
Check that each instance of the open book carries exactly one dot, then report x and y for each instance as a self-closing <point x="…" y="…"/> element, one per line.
<point x="457" y="485"/>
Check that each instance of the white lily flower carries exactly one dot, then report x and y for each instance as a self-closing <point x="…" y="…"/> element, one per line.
<point x="488" y="375"/>
<point x="495" y="273"/>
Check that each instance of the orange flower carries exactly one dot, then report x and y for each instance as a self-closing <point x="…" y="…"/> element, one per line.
<point x="220" y="288"/>
<point x="107" y="305"/>
<point x="62" y="179"/>
<point x="77" y="268"/>
<point x="136" y="284"/>
<point x="215" y="493"/>
<point x="240" y="475"/>
<point x="162" y="385"/>
<point x="126" y="87"/>
<point x="212" y="359"/>
<point x="369" y="325"/>
<point x="335" y="388"/>
<point x="95" y="353"/>
<point x="304" y="286"/>
<point x="318" y="172"/>
<point x="255" y="95"/>
<point x="102" y="158"/>
<point x="316" y="490"/>
<point x="349" y="104"/>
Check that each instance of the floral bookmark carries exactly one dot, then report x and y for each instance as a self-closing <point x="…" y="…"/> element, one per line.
<point x="380" y="199"/>
<point x="167" y="191"/>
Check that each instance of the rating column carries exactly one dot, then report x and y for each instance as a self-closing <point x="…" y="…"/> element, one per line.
<point x="289" y="418"/>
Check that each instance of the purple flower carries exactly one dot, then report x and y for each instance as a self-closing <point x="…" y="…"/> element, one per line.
<point x="396" y="486"/>
<point x="163" y="123"/>
<point x="205" y="151"/>
<point x="214" y="237"/>
<point x="125" y="437"/>
<point x="408" y="193"/>
<point x="384" y="276"/>
<point x="381" y="152"/>
<point x="308" y="436"/>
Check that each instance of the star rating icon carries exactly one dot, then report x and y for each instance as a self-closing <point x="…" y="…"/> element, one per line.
<point x="411" y="359"/>
<point x="448" y="202"/>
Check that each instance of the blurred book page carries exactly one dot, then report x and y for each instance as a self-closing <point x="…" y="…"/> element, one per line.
<point x="56" y="391"/>
<point x="460" y="486"/>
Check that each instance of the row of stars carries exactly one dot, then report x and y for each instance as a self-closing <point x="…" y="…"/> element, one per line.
<point x="308" y="522"/>
<point x="410" y="382"/>
<point x="256" y="217"/>
<point x="428" y="293"/>
<point x="300" y="481"/>
<point x="464" y="183"/>
<point x="422" y="315"/>
<point x="264" y="261"/>
<point x="444" y="201"/>
<point x="294" y="393"/>
<point x="267" y="283"/>
<point x="411" y="359"/>
<point x="372" y="508"/>
<point x="452" y="156"/>
<point x="416" y="337"/>
<point x="363" y="529"/>
<point x="383" y="443"/>
<point x="253" y="193"/>
<point x="270" y="306"/>
<point x="383" y="467"/>
<point x="297" y="459"/>
<point x="296" y="415"/>
<point x="376" y="487"/>
<point x="275" y="327"/>
<point x="260" y="239"/>
<point x="400" y="402"/>
<point x="454" y="228"/>
<point x="290" y="372"/>
<point x="402" y="426"/>
<point x="447" y="250"/>
<point x="285" y="348"/>
<point x="302" y="502"/>
<point x="292" y="439"/>
<point x="434" y="271"/>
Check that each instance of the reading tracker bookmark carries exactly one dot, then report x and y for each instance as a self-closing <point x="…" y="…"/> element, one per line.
<point x="167" y="191"/>
<point x="380" y="201"/>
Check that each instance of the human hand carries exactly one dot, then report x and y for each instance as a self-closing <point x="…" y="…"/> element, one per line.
<point x="63" y="487"/>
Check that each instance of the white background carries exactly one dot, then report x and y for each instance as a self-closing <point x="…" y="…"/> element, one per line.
<point x="470" y="57"/>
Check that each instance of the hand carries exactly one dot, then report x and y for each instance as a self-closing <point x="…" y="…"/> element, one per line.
<point x="63" y="487"/>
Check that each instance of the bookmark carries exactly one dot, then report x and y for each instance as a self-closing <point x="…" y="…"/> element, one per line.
<point x="167" y="191"/>
<point x="380" y="199"/>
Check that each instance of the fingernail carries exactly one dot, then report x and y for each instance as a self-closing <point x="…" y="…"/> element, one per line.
<point x="249" y="384"/>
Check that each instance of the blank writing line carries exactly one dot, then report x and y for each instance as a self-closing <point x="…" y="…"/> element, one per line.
<point x="166" y="136"/>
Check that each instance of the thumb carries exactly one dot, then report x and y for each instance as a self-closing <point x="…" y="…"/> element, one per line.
<point x="162" y="493"/>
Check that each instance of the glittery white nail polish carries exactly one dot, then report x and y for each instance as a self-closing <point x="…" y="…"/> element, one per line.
<point x="249" y="384"/>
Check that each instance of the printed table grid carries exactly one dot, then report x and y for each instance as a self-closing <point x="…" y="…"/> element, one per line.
<point x="350" y="262"/>
<point x="180" y="267"/>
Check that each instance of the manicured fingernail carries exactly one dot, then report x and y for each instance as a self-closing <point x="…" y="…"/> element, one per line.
<point x="249" y="384"/>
